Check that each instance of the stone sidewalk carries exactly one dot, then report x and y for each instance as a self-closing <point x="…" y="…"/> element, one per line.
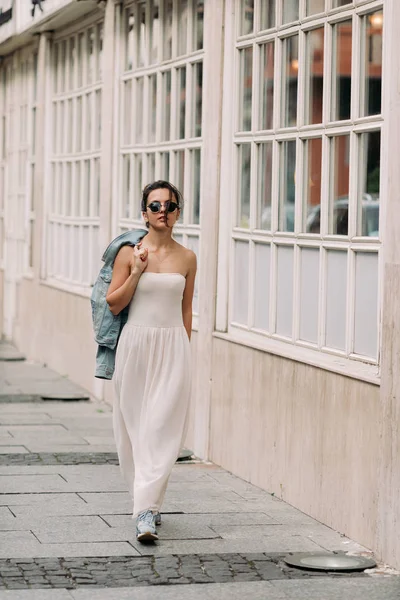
<point x="66" y="530"/>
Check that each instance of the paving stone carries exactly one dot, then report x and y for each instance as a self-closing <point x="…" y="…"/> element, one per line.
<point x="345" y="589"/>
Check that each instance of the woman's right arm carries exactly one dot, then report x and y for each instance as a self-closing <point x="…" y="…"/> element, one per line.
<point x="127" y="269"/>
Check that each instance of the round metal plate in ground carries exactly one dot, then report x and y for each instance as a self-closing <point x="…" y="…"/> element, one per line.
<point x="323" y="561"/>
<point x="185" y="455"/>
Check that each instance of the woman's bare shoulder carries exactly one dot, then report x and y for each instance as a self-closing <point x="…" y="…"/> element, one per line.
<point x="124" y="254"/>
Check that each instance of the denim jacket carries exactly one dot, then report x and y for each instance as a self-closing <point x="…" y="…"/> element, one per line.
<point x="107" y="327"/>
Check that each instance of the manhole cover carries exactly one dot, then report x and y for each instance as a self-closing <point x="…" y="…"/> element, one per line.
<point x="185" y="455"/>
<point x="324" y="561"/>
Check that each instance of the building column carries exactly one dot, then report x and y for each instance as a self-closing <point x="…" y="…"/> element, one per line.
<point x="388" y="529"/>
<point x="209" y="214"/>
<point x="42" y="137"/>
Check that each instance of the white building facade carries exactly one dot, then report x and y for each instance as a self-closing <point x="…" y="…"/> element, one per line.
<point x="277" y="119"/>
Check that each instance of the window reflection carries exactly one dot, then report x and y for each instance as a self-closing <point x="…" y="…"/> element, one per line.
<point x="267" y="78"/>
<point x="198" y="94"/>
<point x="267" y="14"/>
<point x="244" y="163"/>
<point x="246" y="85"/>
<point x="155" y="30"/>
<point x="287" y="186"/>
<point x="368" y="196"/>
<point x="339" y="196"/>
<point x="182" y="102"/>
<point x="182" y="26"/>
<point x="342" y="71"/>
<point x="264" y="195"/>
<point x="312" y="180"/>
<point x="291" y="60"/>
<point x="373" y="24"/>
<point x="246" y="16"/>
<point x="290" y="10"/>
<point x="314" y="7"/>
<point x="198" y="23"/>
<point x="315" y="66"/>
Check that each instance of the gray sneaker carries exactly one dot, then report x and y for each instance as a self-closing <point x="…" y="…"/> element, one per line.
<point x="146" y="527"/>
<point x="157" y="519"/>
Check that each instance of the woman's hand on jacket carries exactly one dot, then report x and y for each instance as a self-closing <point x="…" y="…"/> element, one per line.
<point x="139" y="259"/>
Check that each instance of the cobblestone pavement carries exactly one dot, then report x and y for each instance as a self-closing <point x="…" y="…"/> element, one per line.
<point x="63" y="458"/>
<point x="128" y="571"/>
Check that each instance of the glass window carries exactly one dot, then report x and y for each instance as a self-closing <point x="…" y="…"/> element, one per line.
<point x="241" y="295"/>
<point x="198" y="24"/>
<point x="264" y="195"/>
<point x="368" y="195"/>
<point x="153" y="107"/>
<point x="341" y="83"/>
<point x="142" y="36"/>
<point x="315" y="75"/>
<point x="284" y="291"/>
<point x="290" y="83"/>
<point x="287" y="185"/>
<point x="371" y="88"/>
<point x="155" y="30"/>
<point x="130" y="39"/>
<point x="290" y="11"/>
<point x="196" y="171"/>
<point x="309" y="294"/>
<point x="244" y="172"/>
<point x="182" y="102"/>
<point x="182" y="26"/>
<point x="246" y="85"/>
<point x="338" y="3"/>
<point x="198" y="98"/>
<point x="99" y="52"/>
<point x="167" y="29"/>
<point x="312" y="185"/>
<point x="267" y="88"/>
<point x="314" y="7"/>
<point x="267" y="14"/>
<point x="139" y="109"/>
<point x="166" y="78"/>
<point x="339" y="196"/>
<point x="246" y="16"/>
<point x="336" y="296"/>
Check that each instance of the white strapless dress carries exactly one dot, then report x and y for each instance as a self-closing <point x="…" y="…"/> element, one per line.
<point x="152" y="383"/>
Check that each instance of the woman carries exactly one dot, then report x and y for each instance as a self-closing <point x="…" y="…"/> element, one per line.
<point x="152" y="370"/>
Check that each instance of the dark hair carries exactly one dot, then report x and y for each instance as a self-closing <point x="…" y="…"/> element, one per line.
<point x="174" y="193"/>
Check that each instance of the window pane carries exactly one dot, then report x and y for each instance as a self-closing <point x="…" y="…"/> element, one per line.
<point x="368" y="196"/>
<point x="267" y="78"/>
<point x="287" y="186"/>
<point x="290" y="11"/>
<point x="180" y="170"/>
<point x="246" y="16"/>
<point x="129" y="39"/>
<point x="78" y="125"/>
<point x="341" y="97"/>
<point x="139" y="110"/>
<point x="90" y="66"/>
<point x="142" y="58"/>
<point x="372" y="86"/>
<point x="198" y="24"/>
<point x="164" y="162"/>
<point x="262" y="285"/>
<point x="366" y="304"/>
<point x="75" y="208"/>
<point x="291" y="61"/>
<point x="264" y="196"/>
<point x="98" y="119"/>
<point x="167" y="29"/>
<point x="246" y="83"/>
<point x="182" y="102"/>
<point x="71" y="79"/>
<point x="284" y="291"/>
<point x="337" y="3"/>
<point x="126" y="186"/>
<point x="241" y="286"/>
<point x="336" y="293"/>
<point x="137" y="185"/>
<point x="86" y="188"/>
<point x="80" y="58"/>
<point x="339" y="197"/>
<point x="153" y="107"/>
<point x="89" y="117"/>
<point x="196" y="171"/>
<point x="182" y="26"/>
<point x="127" y="123"/>
<point x="244" y="185"/>
<point x="315" y="74"/>
<point x="70" y="126"/>
<point x="312" y="180"/>
<point x="314" y="7"/>
<point x="267" y="14"/>
<point x="155" y="30"/>
<point x="198" y="93"/>
<point x="309" y="294"/>
<point x="151" y="167"/>
<point x="166" y="78"/>
<point x="96" y="191"/>
<point x="99" y="52"/>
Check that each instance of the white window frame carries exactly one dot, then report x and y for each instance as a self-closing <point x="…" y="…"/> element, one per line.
<point x="186" y="231"/>
<point x="343" y="362"/>
<point x="70" y="221"/>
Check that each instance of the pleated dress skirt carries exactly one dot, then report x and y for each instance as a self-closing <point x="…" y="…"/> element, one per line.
<point x="152" y="383"/>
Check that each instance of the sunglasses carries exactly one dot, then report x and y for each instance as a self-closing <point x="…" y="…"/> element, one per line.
<point x="155" y="207"/>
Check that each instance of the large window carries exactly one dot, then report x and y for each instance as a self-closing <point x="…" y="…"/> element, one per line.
<point x="74" y="191"/>
<point x="161" y="109"/>
<point x="306" y="157"/>
<point x="18" y="79"/>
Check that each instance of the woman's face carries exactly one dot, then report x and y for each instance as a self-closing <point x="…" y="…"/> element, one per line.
<point x="158" y="200"/>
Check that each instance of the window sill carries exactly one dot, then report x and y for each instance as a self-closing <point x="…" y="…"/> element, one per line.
<point x="328" y="362"/>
